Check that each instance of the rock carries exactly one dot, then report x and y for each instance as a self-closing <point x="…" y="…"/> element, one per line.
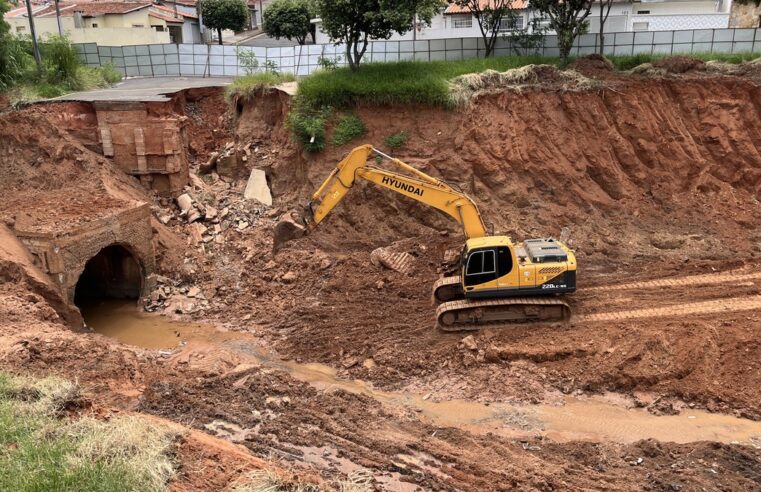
<point x="289" y="277"/>
<point x="196" y="232"/>
<point x="369" y="364"/>
<point x="380" y="284"/>
<point x="164" y="219"/>
<point x="209" y="165"/>
<point x="257" y="188"/>
<point x="470" y="343"/>
<point x="243" y="225"/>
<point x="325" y="264"/>
<point x="227" y="165"/>
<point x="194" y="292"/>
<point x="185" y="202"/>
<point x="193" y="216"/>
<point x="211" y="212"/>
<point x="350" y="362"/>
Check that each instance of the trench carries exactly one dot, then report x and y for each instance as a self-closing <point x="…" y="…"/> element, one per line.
<point x="598" y="418"/>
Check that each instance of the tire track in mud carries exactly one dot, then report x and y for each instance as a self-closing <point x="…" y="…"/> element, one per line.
<point x="706" y="279"/>
<point x="732" y="304"/>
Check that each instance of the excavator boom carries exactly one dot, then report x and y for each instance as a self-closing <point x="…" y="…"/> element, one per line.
<point x="420" y="186"/>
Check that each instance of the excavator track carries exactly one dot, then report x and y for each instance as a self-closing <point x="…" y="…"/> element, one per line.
<point x="447" y="289"/>
<point x="468" y="315"/>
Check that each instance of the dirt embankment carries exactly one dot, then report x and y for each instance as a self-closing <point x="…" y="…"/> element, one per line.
<point x="655" y="178"/>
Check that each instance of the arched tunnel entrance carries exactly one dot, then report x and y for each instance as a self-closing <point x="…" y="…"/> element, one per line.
<point x="113" y="273"/>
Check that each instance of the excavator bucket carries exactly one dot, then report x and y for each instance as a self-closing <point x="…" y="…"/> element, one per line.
<point x="286" y="230"/>
<point x="291" y="226"/>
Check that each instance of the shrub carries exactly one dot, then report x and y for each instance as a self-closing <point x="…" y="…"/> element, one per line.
<point x="61" y="61"/>
<point x="309" y="128"/>
<point x="248" y="85"/>
<point x="111" y="74"/>
<point x="397" y="140"/>
<point x="347" y="129"/>
<point x="15" y="60"/>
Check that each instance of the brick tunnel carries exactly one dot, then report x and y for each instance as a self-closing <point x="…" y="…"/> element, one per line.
<point x="114" y="272"/>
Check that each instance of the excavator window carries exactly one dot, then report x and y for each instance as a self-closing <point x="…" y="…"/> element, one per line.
<point x="504" y="261"/>
<point x="481" y="267"/>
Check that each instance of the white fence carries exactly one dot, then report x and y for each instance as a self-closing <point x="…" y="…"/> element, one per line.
<point x="216" y="60"/>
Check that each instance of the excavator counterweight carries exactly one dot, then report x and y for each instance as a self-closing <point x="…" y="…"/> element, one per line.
<point x="500" y="281"/>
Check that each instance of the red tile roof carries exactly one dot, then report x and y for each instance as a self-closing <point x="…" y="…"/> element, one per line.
<point x="456" y="9"/>
<point x="170" y="11"/>
<point x="164" y="17"/>
<point x="88" y="9"/>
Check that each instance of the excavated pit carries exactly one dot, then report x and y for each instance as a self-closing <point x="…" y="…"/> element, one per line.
<point x="318" y="357"/>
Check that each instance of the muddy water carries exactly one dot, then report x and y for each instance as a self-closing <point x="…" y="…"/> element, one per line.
<point x="595" y="418"/>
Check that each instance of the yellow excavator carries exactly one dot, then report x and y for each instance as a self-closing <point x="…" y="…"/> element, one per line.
<point x="500" y="281"/>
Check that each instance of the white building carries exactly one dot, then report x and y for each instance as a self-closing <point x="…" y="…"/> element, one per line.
<point x="625" y="16"/>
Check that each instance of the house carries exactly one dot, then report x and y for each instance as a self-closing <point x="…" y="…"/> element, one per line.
<point x="624" y="16"/>
<point x="109" y="23"/>
<point x="747" y="15"/>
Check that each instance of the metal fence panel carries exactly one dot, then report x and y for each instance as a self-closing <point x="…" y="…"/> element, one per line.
<point x="216" y="60"/>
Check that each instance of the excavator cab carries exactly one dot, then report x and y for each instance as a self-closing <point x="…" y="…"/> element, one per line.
<point x="493" y="266"/>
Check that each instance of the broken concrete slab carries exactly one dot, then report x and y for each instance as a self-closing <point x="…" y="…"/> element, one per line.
<point x="257" y="188"/>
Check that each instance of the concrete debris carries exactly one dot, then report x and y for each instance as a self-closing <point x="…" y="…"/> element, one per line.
<point x="185" y="202"/>
<point x="469" y="343"/>
<point x="209" y="165"/>
<point x="172" y="298"/>
<point x="257" y="188"/>
<point x="401" y="262"/>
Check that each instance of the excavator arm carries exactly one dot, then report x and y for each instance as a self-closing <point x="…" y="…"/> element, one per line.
<point x="416" y="185"/>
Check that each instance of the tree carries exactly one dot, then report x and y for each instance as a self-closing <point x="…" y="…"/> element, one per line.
<point x="568" y="18"/>
<point x="289" y="19"/>
<point x="355" y="22"/>
<point x="415" y="11"/>
<point x="489" y="14"/>
<point x="605" y="6"/>
<point x="224" y="14"/>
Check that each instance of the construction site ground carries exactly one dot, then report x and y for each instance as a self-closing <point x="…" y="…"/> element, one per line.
<point x="323" y="364"/>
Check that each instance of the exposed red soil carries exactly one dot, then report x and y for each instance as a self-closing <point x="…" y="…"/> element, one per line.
<point x="653" y="179"/>
<point x="650" y="184"/>
<point x="50" y="179"/>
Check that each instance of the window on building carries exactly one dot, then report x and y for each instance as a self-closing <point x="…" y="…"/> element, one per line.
<point x="20" y="28"/>
<point x="158" y="28"/>
<point x="641" y="26"/>
<point x="94" y="25"/>
<point x="511" y="23"/>
<point x="138" y="25"/>
<point x="462" y="21"/>
<point x="643" y="12"/>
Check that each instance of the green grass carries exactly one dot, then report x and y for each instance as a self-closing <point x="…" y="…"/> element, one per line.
<point x="347" y="129"/>
<point x="631" y="61"/>
<point x="396" y="140"/>
<point x="398" y="83"/>
<point x="40" y="450"/>
<point x="308" y="126"/>
<point x="247" y="85"/>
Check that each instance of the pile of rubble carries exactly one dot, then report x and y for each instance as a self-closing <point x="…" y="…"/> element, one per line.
<point x="172" y="298"/>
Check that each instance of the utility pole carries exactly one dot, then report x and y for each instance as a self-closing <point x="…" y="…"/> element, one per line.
<point x="58" y="18"/>
<point x="37" y="56"/>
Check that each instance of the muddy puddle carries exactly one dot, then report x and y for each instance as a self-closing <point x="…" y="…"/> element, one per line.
<point x="596" y="418"/>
